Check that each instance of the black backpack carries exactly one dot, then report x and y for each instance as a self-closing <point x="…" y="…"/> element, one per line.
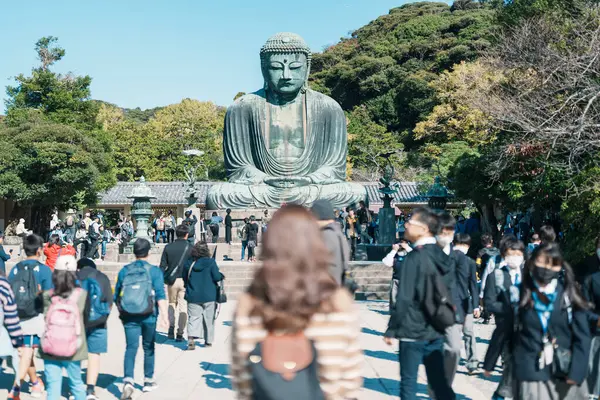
<point x="26" y="291"/>
<point x="296" y="378"/>
<point x="437" y="302"/>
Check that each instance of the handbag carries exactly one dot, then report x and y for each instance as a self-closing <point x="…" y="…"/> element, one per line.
<point x="221" y="295"/>
<point x="561" y="363"/>
<point x="562" y="358"/>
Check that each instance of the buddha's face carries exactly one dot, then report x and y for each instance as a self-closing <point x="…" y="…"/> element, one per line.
<point x="286" y="73"/>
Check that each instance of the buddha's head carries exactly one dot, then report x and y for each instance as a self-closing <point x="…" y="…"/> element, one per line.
<point x="285" y="60"/>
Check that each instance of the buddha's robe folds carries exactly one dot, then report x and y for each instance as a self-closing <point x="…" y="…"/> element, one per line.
<point x="318" y="171"/>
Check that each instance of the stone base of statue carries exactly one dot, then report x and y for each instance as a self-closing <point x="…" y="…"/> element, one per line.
<point x="240" y="196"/>
<point x="387" y="226"/>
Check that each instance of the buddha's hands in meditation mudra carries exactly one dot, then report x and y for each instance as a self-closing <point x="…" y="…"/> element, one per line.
<point x="286" y="182"/>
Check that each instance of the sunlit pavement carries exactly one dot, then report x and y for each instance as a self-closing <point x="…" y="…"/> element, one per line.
<point x="203" y="373"/>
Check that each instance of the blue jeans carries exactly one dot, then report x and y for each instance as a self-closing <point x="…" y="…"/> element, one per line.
<point x="145" y="328"/>
<point x="160" y="234"/>
<point x="103" y="248"/>
<point x="431" y="354"/>
<point x="53" y="370"/>
<point x="244" y="245"/>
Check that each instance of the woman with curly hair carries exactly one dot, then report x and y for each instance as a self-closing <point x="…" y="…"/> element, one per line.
<point x="294" y="320"/>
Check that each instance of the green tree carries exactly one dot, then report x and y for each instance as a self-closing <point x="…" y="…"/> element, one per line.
<point x="46" y="165"/>
<point x="367" y="141"/>
<point x="154" y="149"/>
<point x="61" y="98"/>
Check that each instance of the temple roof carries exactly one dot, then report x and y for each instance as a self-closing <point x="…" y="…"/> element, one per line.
<point x="166" y="193"/>
<point x="174" y="193"/>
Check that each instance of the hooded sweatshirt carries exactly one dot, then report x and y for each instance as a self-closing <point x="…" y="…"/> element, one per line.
<point x="201" y="281"/>
<point x="409" y="322"/>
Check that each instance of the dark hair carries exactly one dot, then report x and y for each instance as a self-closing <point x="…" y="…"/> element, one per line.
<point x="598" y="242"/>
<point x="64" y="282"/>
<point x="214" y="214"/>
<point x="228" y="211"/>
<point x="188" y="213"/>
<point x="200" y="250"/>
<point x="426" y="216"/>
<point x="294" y="282"/>
<point x="462" y="238"/>
<point x="487" y="239"/>
<point x="446" y="221"/>
<point x="547" y="234"/>
<point x="181" y="231"/>
<point x="54" y="239"/>
<point x="551" y="252"/>
<point x="252" y="218"/>
<point x="31" y="244"/>
<point x="246" y="220"/>
<point x="141" y="248"/>
<point x="510" y="242"/>
<point x="362" y="203"/>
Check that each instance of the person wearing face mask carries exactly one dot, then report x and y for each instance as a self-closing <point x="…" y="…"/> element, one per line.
<point x="454" y="334"/>
<point x="552" y="337"/>
<point x="468" y="293"/>
<point x="501" y="298"/>
<point x="494" y="262"/>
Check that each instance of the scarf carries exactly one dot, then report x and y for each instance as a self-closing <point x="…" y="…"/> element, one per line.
<point x="545" y="310"/>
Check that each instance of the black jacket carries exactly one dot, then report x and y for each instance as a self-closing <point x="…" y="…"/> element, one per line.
<point x="201" y="284"/>
<point x="467" y="293"/>
<point x="591" y="291"/>
<point x="173" y="257"/>
<point x="191" y="222"/>
<point x="107" y="294"/>
<point x="574" y="336"/>
<point x="3" y="258"/>
<point x="409" y="321"/>
<point x="497" y="301"/>
<point x="253" y="231"/>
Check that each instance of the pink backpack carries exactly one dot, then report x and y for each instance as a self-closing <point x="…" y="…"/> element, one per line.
<point x="63" y="326"/>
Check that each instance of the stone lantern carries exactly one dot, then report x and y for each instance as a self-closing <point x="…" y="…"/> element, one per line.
<point x="438" y="195"/>
<point x="141" y="209"/>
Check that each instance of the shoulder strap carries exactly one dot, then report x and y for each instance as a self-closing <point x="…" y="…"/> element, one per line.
<point x="499" y="275"/>
<point x="569" y="305"/>
<point x="190" y="271"/>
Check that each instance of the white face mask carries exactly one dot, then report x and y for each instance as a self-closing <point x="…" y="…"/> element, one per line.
<point x="444" y="241"/>
<point x="462" y="249"/>
<point x="514" y="262"/>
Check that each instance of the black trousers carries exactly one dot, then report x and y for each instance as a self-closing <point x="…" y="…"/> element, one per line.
<point x="170" y="235"/>
<point x="93" y="249"/>
<point x="227" y="234"/>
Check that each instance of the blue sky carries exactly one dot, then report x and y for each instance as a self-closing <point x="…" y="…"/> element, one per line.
<point x="156" y="52"/>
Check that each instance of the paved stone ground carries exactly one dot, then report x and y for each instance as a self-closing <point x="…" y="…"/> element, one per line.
<point x="203" y="374"/>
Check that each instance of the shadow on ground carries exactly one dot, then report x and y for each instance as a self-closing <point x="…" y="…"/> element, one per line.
<point x="217" y="376"/>
<point x="370" y="331"/>
<point x="382" y="355"/>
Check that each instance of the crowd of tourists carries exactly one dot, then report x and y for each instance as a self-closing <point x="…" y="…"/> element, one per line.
<point x="296" y="328"/>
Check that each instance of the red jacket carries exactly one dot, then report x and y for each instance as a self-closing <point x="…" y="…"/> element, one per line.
<point x="52" y="252"/>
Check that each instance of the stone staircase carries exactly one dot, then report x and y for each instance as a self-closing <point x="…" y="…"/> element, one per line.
<point x="373" y="278"/>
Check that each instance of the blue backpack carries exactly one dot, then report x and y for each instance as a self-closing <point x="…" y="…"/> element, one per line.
<point x="99" y="310"/>
<point x="136" y="297"/>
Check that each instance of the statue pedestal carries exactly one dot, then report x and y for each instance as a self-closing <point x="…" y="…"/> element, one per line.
<point x="387" y="225"/>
